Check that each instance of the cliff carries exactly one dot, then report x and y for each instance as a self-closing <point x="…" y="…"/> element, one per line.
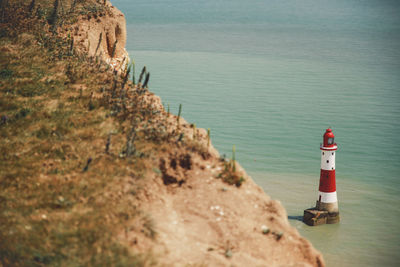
<point x="102" y="34"/>
<point x="96" y="172"/>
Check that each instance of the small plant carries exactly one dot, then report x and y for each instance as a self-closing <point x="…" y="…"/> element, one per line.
<point x="108" y="143"/>
<point x="93" y="104"/>
<point x="141" y="75"/>
<point x="4" y="119"/>
<point x="168" y="110"/>
<point x="71" y="47"/>
<point x="6" y="73"/>
<point x="22" y="113"/>
<point x="126" y="77"/>
<point x="146" y="80"/>
<point x="54" y="16"/>
<point x="123" y="64"/>
<point x="229" y="174"/>
<point x="194" y="131"/>
<point x="32" y="6"/>
<point x="130" y="139"/>
<point x="73" y="6"/>
<point x="179" y="114"/>
<point x="114" y="88"/>
<point x="133" y="72"/>
<point x="181" y="136"/>
<point x="86" y="168"/>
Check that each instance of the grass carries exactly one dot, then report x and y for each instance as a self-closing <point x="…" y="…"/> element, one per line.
<point x="179" y="115"/>
<point x="230" y="175"/>
<point x="53" y="213"/>
<point x="77" y="142"/>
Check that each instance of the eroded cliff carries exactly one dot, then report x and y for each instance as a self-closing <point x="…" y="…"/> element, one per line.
<point x="96" y="171"/>
<point x="102" y="34"/>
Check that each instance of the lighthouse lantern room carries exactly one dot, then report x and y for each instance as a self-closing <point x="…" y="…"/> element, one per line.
<point x="326" y="210"/>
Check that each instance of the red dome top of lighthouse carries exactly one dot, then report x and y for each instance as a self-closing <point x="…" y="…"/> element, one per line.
<point x="329" y="139"/>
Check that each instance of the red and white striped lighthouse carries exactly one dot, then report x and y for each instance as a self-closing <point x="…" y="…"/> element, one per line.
<point x="326" y="210"/>
<point x="327" y="197"/>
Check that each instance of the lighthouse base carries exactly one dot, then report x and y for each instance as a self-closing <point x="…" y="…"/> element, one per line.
<point x="314" y="217"/>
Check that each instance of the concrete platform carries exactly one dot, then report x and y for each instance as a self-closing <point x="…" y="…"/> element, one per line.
<point x="313" y="217"/>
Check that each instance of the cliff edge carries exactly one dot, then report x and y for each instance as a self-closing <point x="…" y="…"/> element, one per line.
<point x="96" y="172"/>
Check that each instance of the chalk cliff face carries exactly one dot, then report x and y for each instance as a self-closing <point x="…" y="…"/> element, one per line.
<point x="198" y="218"/>
<point x="103" y="34"/>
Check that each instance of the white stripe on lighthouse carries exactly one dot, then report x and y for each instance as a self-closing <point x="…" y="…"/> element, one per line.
<point x="327" y="197"/>
<point x="328" y="160"/>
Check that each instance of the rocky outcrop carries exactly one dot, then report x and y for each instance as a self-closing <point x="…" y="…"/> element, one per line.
<point x="103" y="34"/>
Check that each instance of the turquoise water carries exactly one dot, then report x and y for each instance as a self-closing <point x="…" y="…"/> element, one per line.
<point x="269" y="77"/>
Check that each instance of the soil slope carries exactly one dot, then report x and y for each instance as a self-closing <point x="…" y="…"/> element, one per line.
<point x="94" y="171"/>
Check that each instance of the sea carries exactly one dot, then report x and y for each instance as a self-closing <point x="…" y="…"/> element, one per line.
<point x="269" y="76"/>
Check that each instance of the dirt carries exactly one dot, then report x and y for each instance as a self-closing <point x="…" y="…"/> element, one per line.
<point x="192" y="216"/>
<point x="195" y="218"/>
<point x="199" y="219"/>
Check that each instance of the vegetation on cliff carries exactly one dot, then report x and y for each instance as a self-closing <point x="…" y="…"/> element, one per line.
<point x="76" y="141"/>
<point x="94" y="171"/>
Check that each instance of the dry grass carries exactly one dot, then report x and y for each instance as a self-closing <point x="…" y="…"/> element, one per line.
<point x="56" y="112"/>
<point x="80" y="146"/>
<point x="64" y="197"/>
<point x="51" y="211"/>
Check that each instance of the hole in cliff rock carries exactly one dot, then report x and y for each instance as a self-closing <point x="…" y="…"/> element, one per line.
<point x="173" y="164"/>
<point x="327" y="161"/>
<point x="186" y="162"/>
<point x="168" y="179"/>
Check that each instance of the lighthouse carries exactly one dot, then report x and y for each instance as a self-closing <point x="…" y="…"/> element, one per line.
<point x="327" y="198"/>
<point x="326" y="210"/>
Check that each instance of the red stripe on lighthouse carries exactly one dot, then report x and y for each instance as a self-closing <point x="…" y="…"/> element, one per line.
<point x="327" y="181"/>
